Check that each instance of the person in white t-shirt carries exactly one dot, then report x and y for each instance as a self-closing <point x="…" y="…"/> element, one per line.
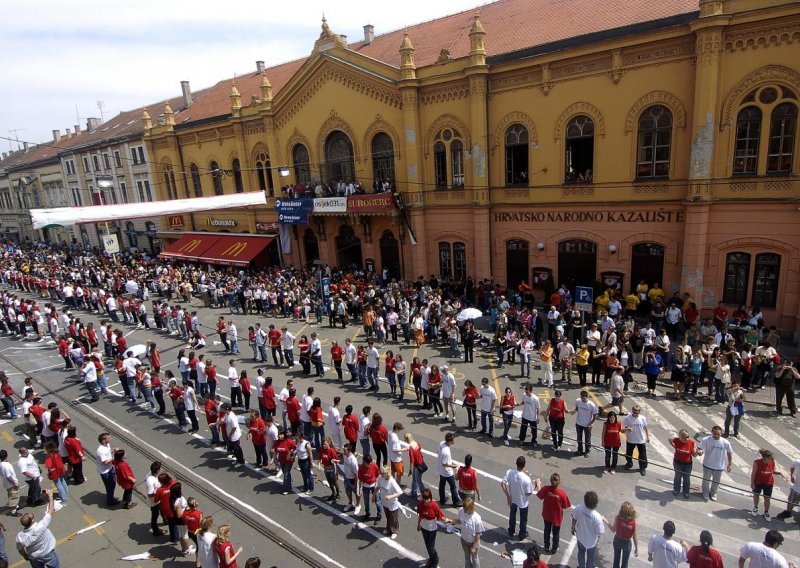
<point x="794" y="492"/>
<point x="664" y="552"/>
<point x="637" y="436"/>
<point x="518" y="487"/>
<point x="396" y="450"/>
<point x="717" y="455"/>
<point x="333" y="422"/>
<point x="151" y="485"/>
<point x="587" y="412"/>
<point x="587" y="526"/>
<point x="446" y="470"/>
<point x="530" y="416"/>
<point x="764" y="555"/>
<point x="488" y="401"/>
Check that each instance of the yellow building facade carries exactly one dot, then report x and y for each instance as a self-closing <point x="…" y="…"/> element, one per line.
<point x="656" y="142"/>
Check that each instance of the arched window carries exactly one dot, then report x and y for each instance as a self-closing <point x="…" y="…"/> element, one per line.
<point x="748" y="132"/>
<point x="460" y="262"/>
<point x="382" y="158"/>
<point x="216" y="177"/>
<point x="449" y="141"/>
<point x="339" y="163"/>
<point x="196" y="184"/>
<point x="445" y="260"/>
<point x="579" y="165"/>
<point x="737" y="275"/>
<point x="781" y="139"/>
<point x="655" y="137"/>
<point x="440" y="165"/>
<point x="765" y="281"/>
<point x="264" y="173"/>
<point x="302" y="165"/>
<point x="237" y="175"/>
<point x="169" y="182"/>
<point x="517" y="155"/>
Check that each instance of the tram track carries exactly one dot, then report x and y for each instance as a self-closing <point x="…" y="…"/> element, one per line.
<point x="204" y="487"/>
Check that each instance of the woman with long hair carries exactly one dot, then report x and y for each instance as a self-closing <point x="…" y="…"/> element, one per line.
<point x="435" y="390"/>
<point x="224" y="548"/>
<point x="702" y="555"/>
<point x="624" y="529"/>
<point x="428" y="513"/>
<point x="470" y="396"/>
<point x="556" y="412"/>
<point x="206" y="553"/>
<point x="379" y="434"/>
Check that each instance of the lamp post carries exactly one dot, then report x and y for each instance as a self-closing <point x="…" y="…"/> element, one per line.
<point x="103" y="183"/>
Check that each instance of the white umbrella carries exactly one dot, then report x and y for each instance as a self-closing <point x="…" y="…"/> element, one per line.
<point x="139" y="350"/>
<point x="469" y="314"/>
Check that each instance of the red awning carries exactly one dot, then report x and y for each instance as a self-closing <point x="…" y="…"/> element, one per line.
<point x="190" y="247"/>
<point x="235" y="251"/>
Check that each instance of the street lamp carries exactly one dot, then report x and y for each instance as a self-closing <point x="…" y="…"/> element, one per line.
<point x="283" y="171"/>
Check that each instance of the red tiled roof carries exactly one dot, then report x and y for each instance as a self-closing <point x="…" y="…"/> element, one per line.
<point x="512" y="25"/>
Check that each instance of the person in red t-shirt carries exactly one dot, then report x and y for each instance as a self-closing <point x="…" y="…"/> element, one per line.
<point x="162" y="498"/>
<point x="702" y="555"/>
<point x="379" y="434"/>
<point x="191" y="518"/>
<point x="329" y="458"/>
<point x="625" y="538"/>
<point x="224" y="548"/>
<point x="367" y="475"/>
<point x="293" y="411"/>
<point x="685" y="451"/>
<point x="350" y="426"/>
<point x="467" y="479"/>
<point x="125" y="478"/>
<point x="268" y="397"/>
<point x="337" y="353"/>
<point x="556" y="411"/>
<point x="611" y="441"/>
<point x="428" y="513"/>
<point x="285" y="451"/>
<point x="762" y="479"/>
<point x="554" y="501"/>
<point x="56" y="472"/>
<point x="75" y="454"/>
<point x="212" y="416"/>
<point x="257" y="433"/>
<point x="244" y="384"/>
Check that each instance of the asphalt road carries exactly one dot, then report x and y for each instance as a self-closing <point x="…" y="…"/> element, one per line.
<point x="332" y="537"/>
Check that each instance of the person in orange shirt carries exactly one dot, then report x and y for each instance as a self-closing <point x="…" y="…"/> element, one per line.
<point x="546" y="357"/>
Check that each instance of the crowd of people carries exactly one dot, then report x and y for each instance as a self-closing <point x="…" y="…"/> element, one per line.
<point x="46" y="290"/>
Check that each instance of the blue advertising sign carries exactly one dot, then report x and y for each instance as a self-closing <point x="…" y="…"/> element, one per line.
<point x="584" y="298"/>
<point x="326" y="293"/>
<point x="294" y="211"/>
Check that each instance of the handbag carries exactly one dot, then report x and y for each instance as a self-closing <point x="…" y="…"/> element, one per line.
<point x="421" y="467"/>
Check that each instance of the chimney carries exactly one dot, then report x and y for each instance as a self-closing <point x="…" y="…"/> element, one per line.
<point x="4" y="155"/>
<point x="92" y="123"/>
<point x="77" y="129"/>
<point x="187" y="94"/>
<point x="344" y="38"/>
<point x="260" y="67"/>
<point x="69" y="133"/>
<point x="56" y="135"/>
<point x="369" y="34"/>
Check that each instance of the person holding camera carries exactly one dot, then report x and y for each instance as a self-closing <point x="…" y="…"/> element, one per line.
<point x="785" y="377"/>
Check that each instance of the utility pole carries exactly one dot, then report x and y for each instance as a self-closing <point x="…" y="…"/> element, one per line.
<point x="100" y="106"/>
<point x="15" y="132"/>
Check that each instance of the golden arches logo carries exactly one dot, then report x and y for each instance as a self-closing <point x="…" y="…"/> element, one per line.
<point x="176" y="221"/>
<point x="190" y="246"/>
<point x="235" y="249"/>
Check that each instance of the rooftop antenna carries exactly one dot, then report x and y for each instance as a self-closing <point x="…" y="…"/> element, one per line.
<point x="15" y="132"/>
<point x="77" y="114"/>
<point x="100" y="106"/>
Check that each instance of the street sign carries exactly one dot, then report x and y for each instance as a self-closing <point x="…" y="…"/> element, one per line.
<point x="584" y="298"/>
<point x="110" y="244"/>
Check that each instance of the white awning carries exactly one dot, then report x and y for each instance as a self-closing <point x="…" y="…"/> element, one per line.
<point x="69" y="216"/>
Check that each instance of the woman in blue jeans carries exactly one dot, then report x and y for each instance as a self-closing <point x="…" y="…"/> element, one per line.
<point x="305" y="453"/>
<point x="685" y="451"/>
<point x="624" y="529"/>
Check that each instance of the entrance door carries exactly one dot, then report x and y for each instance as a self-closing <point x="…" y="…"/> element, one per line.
<point x="348" y="249"/>
<point x="577" y="263"/>
<point x="516" y="263"/>
<point x="311" y="246"/>
<point x="390" y="254"/>
<point x="647" y="263"/>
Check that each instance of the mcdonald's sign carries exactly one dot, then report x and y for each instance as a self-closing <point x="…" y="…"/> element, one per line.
<point x="235" y="249"/>
<point x="176" y="222"/>
<point x="190" y="246"/>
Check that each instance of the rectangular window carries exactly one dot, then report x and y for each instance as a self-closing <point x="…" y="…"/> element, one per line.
<point x="141" y="154"/>
<point x="106" y="162"/>
<point x="85" y="165"/>
<point x="117" y="159"/>
<point x="123" y="190"/>
<point x="148" y="195"/>
<point x="140" y="187"/>
<point x="134" y="157"/>
<point x="440" y="165"/>
<point x="737" y="274"/>
<point x="76" y="196"/>
<point x="765" y="282"/>
<point x="445" y="260"/>
<point x="460" y="262"/>
<point x="96" y="160"/>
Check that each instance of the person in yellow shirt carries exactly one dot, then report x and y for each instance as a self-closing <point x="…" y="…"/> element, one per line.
<point x="655" y="293"/>
<point x="631" y="304"/>
<point x="582" y="362"/>
<point x="546" y="357"/>
<point x="602" y="302"/>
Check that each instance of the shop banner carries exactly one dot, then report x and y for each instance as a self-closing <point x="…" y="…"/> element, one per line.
<point x="263" y="227"/>
<point x="294" y="211"/>
<point x="372" y="203"/>
<point x="330" y="205"/>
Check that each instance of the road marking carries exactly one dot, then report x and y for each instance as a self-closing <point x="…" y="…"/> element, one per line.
<point x="6" y="436"/>
<point x="90" y="521"/>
